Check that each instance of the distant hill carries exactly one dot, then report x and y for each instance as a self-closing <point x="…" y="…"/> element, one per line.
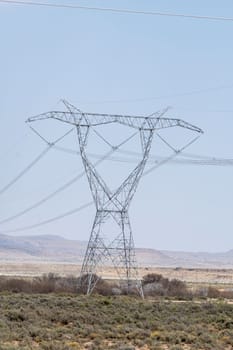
<point x="58" y="249"/>
<point x="44" y="247"/>
<point x="202" y="259"/>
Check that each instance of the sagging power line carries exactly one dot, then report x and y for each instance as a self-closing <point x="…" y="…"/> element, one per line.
<point x="72" y="211"/>
<point x="158" y="163"/>
<point x="187" y="159"/>
<point x="118" y="10"/>
<point x="155" y="161"/>
<point x="50" y="220"/>
<point x="33" y="163"/>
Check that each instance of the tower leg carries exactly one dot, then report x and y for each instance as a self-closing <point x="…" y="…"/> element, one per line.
<point x="119" y="252"/>
<point x="104" y="246"/>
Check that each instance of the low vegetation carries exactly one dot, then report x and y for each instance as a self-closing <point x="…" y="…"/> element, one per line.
<point x="47" y="313"/>
<point x="62" y="322"/>
<point x="154" y="285"/>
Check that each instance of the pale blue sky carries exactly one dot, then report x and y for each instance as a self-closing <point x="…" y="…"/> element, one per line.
<point x="121" y="63"/>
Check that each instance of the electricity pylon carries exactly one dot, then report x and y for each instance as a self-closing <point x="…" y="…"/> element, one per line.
<point x="113" y="205"/>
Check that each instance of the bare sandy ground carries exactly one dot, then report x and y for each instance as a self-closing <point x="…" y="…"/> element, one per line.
<point x="33" y="269"/>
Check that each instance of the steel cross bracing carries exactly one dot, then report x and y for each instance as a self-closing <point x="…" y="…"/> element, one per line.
<point x="113" y="205"/>
<point x="78" y="118"/>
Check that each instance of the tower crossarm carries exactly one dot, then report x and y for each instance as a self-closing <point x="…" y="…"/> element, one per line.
<point x="78" y="118"/>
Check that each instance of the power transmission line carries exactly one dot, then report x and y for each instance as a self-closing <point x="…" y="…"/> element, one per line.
<point x="214" y="162"/>
<point x="34" y="162"/>
<point x="181" y="94"/>
<point x="51" y="195"/>
<point x="67" y="184"/>
<point x="192" y="159"/>
<point x="173" y="155"/>
<point x="118" y="10"/>
<point x="24" y="171"/>
<point x="43" y="200"/>
<point x="73" y="211"/>
<point x="157" y="161"/>
<point x="55" y="218"/>
<point x="113" y="149"/>
<point x="13" y="146"/>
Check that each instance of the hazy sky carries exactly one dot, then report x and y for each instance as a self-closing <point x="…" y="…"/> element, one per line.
<point x="120" y="63"/>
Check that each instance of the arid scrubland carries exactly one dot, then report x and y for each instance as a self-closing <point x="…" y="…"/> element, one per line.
<point x="62" y="322"/>
<point x="48" y="313"/>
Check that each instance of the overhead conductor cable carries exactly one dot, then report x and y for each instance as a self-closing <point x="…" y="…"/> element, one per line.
<point x="34" y="162"/>
<point x="118" y="10"/>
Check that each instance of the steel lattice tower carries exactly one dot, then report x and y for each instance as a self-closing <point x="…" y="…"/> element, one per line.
<point x="111" y="205"/>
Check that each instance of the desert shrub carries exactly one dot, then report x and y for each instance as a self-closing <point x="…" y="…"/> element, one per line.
<point x="154" y="289"/>
<point x="177" y="288"/>
<point x="213" y="292"/>
<point x="54" y="346"/>
<point x="153" y="285"/>
<point x="228" y="294"/>
<point x="104" y="288"/>
<point x="66" y="284"/>
<point x="16" y="315"/>
<point x="152" y="278"/>
<point x="46" y="283"/>
<point x="200" y="292"/>
<point x="84" y="281"/>
<point x="156" y="285"/>
<point x="15" y="285"/>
